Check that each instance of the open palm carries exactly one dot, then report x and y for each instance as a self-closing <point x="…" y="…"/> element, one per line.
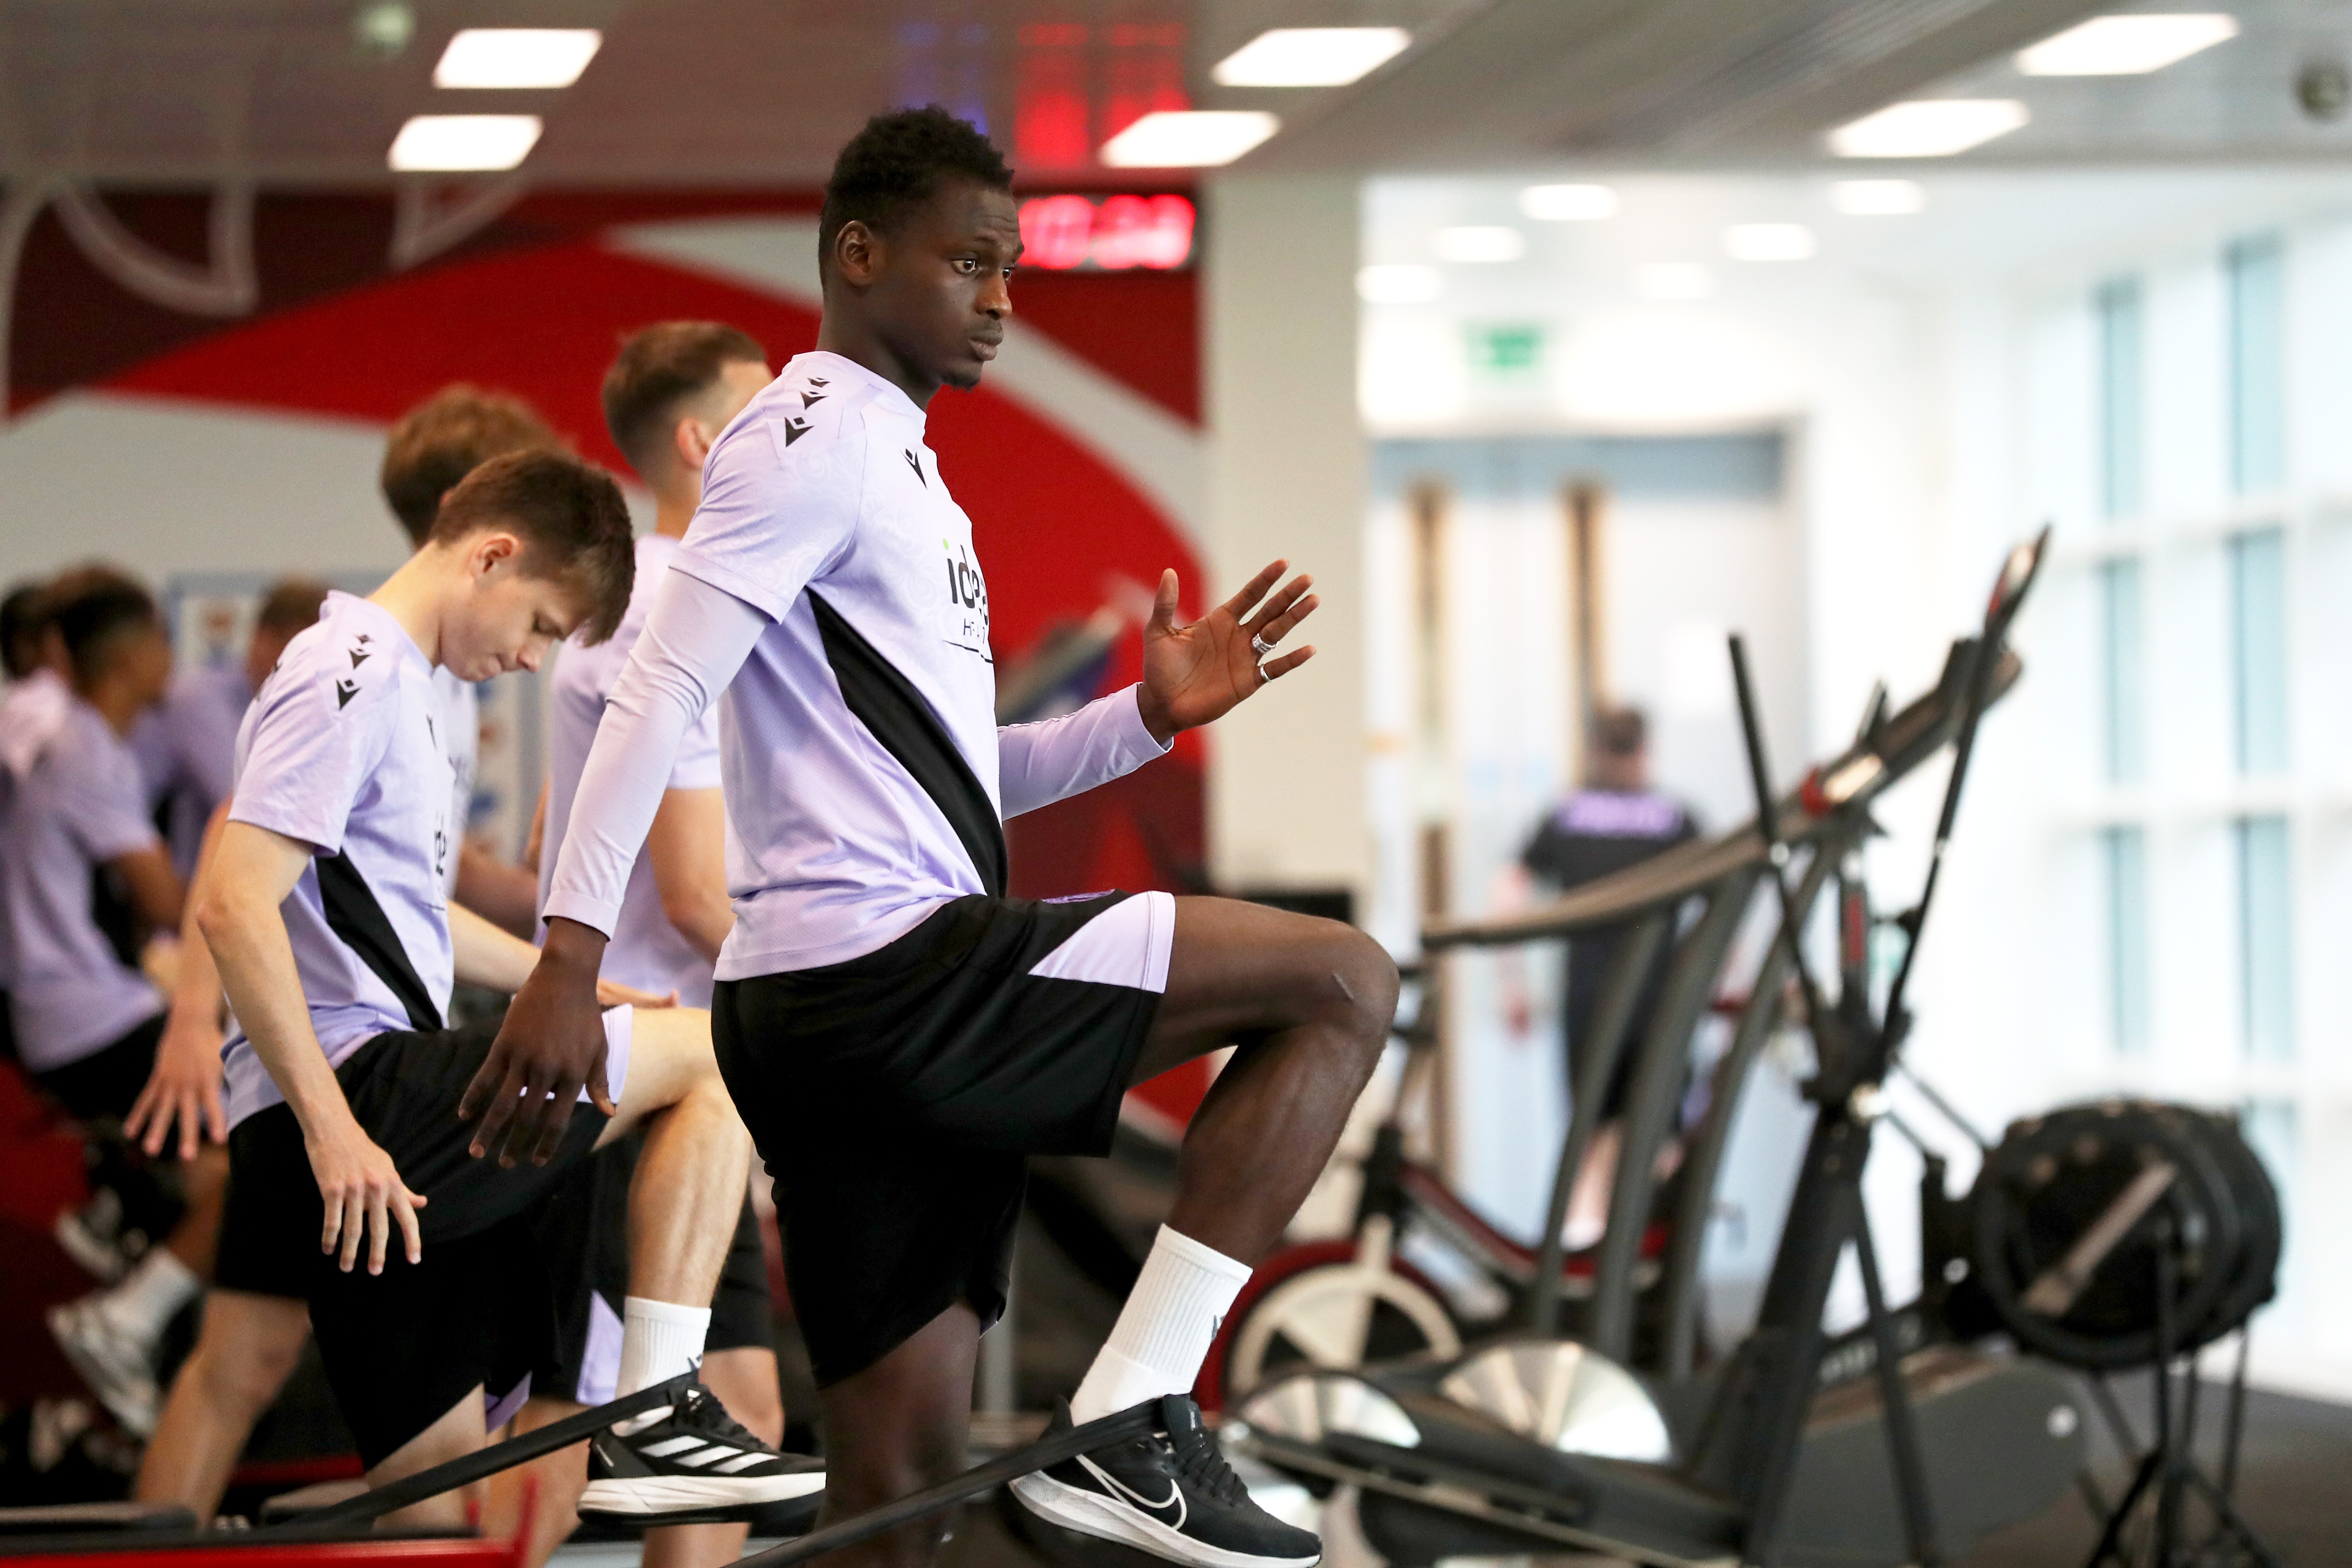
<point x="1195" y="673"/>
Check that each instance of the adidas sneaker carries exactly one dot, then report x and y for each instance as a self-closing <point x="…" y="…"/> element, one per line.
<point x="694" y="1463"/>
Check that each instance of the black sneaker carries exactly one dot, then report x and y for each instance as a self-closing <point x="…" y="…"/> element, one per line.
<point x="1170" y="1494"/>
<point x="695" y="1464"/>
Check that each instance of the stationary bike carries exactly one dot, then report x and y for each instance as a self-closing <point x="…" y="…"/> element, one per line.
<point x="1368" y="1296"/>
<point x="1802" y="1449"/>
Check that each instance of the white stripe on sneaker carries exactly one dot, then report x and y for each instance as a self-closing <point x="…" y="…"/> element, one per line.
<point x="745" y="1463"/>
<point x="668" y="1446"/>
<point x="709" y="1456"/>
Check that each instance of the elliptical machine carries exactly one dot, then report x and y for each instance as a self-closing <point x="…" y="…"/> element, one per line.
<point x="1804" y="1450"/>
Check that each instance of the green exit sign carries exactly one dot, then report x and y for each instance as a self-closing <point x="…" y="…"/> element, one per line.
<point x="1506" y="349"/>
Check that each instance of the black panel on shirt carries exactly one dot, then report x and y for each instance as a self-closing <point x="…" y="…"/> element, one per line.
<point x="888" y="704"/>
<point x="355" y="916"/>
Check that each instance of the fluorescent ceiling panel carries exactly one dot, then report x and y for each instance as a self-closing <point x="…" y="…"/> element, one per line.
<point x="2126" y="46"/>
<point x="1673" y="280"/>
<point x="1878" y="199"/>
<point x="1928" y="128"/>
<point x="1768" y="242"/>
<point x="1310" y="57"/>
<point x="1480" y="243"/>
<point x="1398" y="285"/>
<point x="1568" y="203"/>
<point x="1189" y="138"/>
<point x="450" y="142"/>
<point x="517" y="56"/>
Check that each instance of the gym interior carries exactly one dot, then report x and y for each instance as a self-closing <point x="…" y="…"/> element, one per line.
<point x="1718" y="431"/>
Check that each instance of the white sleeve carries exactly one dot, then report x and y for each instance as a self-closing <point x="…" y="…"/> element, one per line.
<point x="696" y="637"/>
<point x="1037" y="764"/>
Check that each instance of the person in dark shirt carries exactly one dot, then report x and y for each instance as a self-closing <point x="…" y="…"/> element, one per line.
<point x="1615" y="821"/>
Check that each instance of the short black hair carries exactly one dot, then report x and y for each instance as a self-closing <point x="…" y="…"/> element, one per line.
<point x="95" y="609"/>
<point x="569" y="514"/>
<point x="896" y="163"/>
<point x="1621" y="732"/>
<point x="21" y="616"/>
<point x="658" y="368"/>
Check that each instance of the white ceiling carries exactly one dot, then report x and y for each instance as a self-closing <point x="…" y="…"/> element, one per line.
<point x="763" y="91"/>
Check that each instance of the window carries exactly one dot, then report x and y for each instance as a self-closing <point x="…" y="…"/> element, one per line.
<point x="2119" y="651"/>
<point x="2118" y="309"/>
<point x="2265" y="939"/>
<point x="2127" y="872"/>
<point x="2256" y="270"/>
<point x="2258" y="649"/>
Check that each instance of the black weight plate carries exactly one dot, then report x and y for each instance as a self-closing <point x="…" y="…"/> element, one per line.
<point x="2255" y="1279"/>
<point x="2051" y="1177"/>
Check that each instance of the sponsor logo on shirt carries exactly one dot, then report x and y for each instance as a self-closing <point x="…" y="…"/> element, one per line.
<point x="964" y="622"/>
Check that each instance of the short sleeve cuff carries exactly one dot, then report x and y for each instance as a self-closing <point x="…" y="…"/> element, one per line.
<point x="589" y="912"/>
<point x="729" y="581"/>
<point x="322" y="838"/>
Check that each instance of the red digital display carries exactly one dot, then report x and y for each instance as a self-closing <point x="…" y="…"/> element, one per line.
<point x="1106" y="234"/>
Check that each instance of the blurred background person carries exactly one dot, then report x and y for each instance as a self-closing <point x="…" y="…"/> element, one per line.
<point x="1614" y="821"/>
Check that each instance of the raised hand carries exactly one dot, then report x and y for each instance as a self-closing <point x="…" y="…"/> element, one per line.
<point x="1193" y="673"/>
<point x="551" y="1046"/>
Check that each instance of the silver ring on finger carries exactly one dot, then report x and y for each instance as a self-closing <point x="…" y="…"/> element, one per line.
<point x="1260" y="647"/>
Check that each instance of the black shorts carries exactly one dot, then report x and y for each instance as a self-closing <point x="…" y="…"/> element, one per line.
<point x="402" y="1347"/>
<point x="107" y="1081"/>
<point x="894" y="1098"/>
<point x="583" y="1232"/>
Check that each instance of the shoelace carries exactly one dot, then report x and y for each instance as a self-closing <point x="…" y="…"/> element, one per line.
<point x="1199" y="1462"/>
<point x="700" y="1411"/>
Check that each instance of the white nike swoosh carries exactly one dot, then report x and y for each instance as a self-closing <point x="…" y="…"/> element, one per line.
<point x="1175" y="1498"/>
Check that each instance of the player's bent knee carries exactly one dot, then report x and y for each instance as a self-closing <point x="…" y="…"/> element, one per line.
<point x="1363" y="978"/>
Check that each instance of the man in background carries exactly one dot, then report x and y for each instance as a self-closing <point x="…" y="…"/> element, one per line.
<point x="1614" y="822"/>
<point x="185" y="744"/>
<point x="85" y="880"/>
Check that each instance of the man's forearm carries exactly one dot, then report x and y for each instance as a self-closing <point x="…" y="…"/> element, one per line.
<point x="504" y="894"/>
<point x="486" y="955"/>
<point x="196" y="997"/>
<point x="247" y="937"/>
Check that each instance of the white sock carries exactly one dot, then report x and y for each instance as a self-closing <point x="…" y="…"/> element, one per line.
<point x="1165" y="1329"/>
<point x="150" y="1296"/>
<point x="658" y="1340"/>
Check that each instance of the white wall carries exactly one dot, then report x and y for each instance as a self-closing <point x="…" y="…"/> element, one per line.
<point x="1286" y="478"/>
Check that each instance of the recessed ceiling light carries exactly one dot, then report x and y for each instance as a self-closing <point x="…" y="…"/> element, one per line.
<point x="1878" y="198"/>
<point x="1568" y="203"/>
<point x="453" y="141"/>
<point x="1189" y="138"/>
<point x="1310" y="57"/>
<point x="1768" y="242"/>
<point x="517" y="56"/>
<point x="1399" y="285"/>
<point x="1928" y="128"/>
<point x="2126" y="46"/>
<point x="1673" y="280"/>
<point x="1479" y="242"/>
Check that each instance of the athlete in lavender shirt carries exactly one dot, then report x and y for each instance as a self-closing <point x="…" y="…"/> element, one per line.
<point x="898" y="1033"/>
<point x="77" y="837"/>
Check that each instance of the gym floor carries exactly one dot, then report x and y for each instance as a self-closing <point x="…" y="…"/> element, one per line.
<point x="2291" y="1488"/>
